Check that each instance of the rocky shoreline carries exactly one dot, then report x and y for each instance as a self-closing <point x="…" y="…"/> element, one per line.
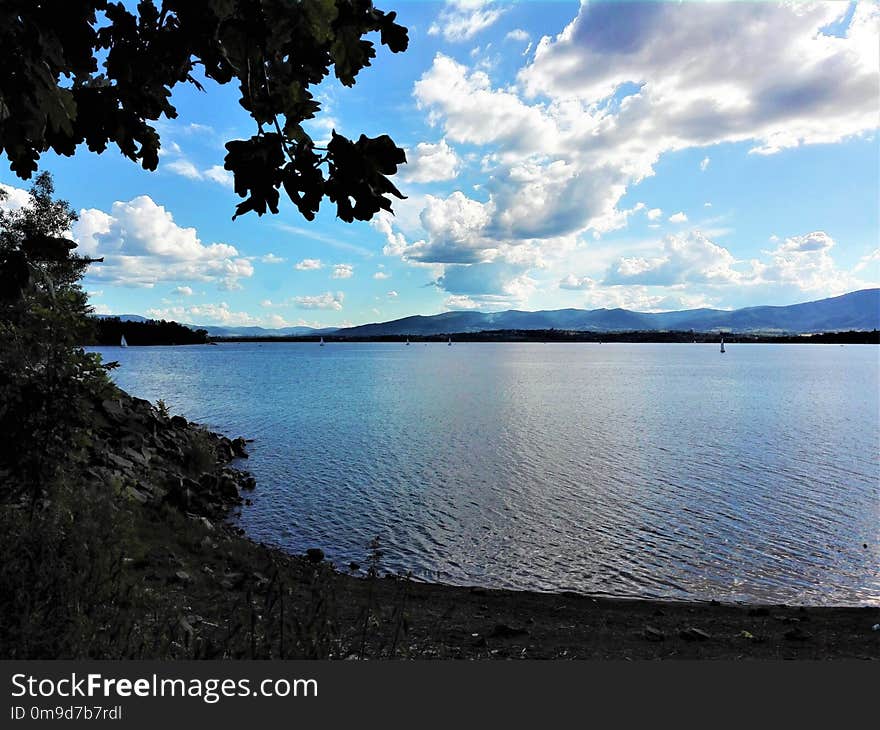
<point x="213" y="592"/>
<point x="163" y="459"/>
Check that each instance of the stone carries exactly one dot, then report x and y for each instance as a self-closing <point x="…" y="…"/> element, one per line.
<point x="137" y="495"/>
<point x="503" y="631"/>
<point x="694" y="634"/>
<point x="315" y="555"/>
<point x="652" y="634"/>
<point x="797" y="634"/>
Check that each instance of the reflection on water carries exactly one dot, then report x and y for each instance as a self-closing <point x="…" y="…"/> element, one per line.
<point x="648" y="470"/>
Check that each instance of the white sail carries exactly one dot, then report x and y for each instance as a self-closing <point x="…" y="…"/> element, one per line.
<point x="322" y="342"/>
<point x="122" y="342"/>
<point x="407" y="340"/>
<point x="450" y="342"/>
<point x="722" y="344"/>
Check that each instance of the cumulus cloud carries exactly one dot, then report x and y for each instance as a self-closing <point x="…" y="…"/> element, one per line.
<point x="576" y="283"/>
<point x="602" y="101"/>
<point x="704" y="164"/>
<point x="327" y="300"/>
<point x="678" y="218"/>
<point x="271" y="258"/>
<point x="392" y="294"/>
<point x="432" y="163"/>
<point x="211" y="314"/>
<point x="13" y="198"/>
<point x="517" y="34"/>
<point x="799" y="263"/>
<point x="796" y="85"/>
<point x="182" y="291"/>
<point x="654" y="214"/>
<point x="309" y="265"/>
<point x="381" y="275"/>
<point x="142" y="245"/>
<point x="343" y="271"/>
<point x="461" y="20"/>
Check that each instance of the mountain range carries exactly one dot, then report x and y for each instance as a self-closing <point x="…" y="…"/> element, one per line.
<point x="859" y="310"/>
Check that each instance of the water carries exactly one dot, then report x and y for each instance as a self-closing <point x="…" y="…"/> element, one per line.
<point x="637" y="470"/>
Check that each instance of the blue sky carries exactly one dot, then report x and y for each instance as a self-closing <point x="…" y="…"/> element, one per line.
<point x="650" y="156"/>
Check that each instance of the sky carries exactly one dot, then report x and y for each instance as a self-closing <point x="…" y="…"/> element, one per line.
<point x="652" y="156"/>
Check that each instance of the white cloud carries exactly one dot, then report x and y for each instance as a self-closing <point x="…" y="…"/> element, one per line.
<point x="217" y="174"/>
<point x="600" y="103"/>
<point x="328" y="300"/>
<point x="432" y="163"/>
<point x="690" y="258"/>
<point x="654" y="214"/>
<point x="142" y="245"/>
<point x="704" y="164"/>
<point x="186" y="168"/>
<point x="517" y="34"/>
<point x="678" y="218"/>
<point x="309" y="265"/>
<point x="461" y="20"/>
<point x="343" y="271"/>
<point x="271" y="258"/>
<point x="871" y="260"/>
<point x="381" y="275"/>
<point x="14" y="199"/>
<point x="795" y="85"/>
<point x="210" y="314"/>
<point x="392" y="294"/>
<point x="182" y="291"/>
<point x="573" y="282"/>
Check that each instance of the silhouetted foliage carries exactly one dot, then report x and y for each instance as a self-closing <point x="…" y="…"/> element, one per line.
<point x="54" y="94"/>
<point x="110" y="330"/>
<point x="43" y="319"/>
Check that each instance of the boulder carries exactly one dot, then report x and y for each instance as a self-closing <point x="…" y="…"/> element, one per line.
<point x="315" y="555"/>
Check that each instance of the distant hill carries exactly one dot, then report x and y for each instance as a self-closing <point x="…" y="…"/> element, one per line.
<point x="858" y="310"/>
<point x="220" y="331"/>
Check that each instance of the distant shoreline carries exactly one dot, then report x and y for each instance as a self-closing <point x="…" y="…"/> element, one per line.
<point x="852" y="337"/>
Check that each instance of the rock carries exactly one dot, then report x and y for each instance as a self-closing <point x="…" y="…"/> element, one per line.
<point x="354" y="567"/>
<point x="179" y="422"/>
<point x="503" y="631"/>
<point x="239" y="448"/>
<point x="119" y="461"/>
<point x="137" y="495"/>
<point x="182" y="576"/>
<point x="652" y="634"/>
<point x="694" y="634"/>
<point x="797" y="634"/>
<point x="315" y="555"/>
<point x="113" y="409"/>
<point x="759" y="611"/>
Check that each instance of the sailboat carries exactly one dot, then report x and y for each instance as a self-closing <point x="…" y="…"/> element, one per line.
<point x="722" y="344"/>
<point x="321" y="343"/>
<point x="450" y="342"/>
<point x="122" y="342"/>
<point x="407" y="341"/>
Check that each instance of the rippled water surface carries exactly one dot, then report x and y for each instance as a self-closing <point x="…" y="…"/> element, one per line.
<point x="644" y="470"/>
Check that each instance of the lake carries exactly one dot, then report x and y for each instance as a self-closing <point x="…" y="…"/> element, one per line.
<point x="650" y="470"/>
